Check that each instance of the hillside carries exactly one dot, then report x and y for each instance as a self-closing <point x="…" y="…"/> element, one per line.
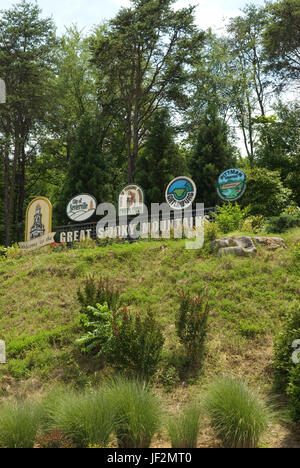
<point x="249" y="297"/>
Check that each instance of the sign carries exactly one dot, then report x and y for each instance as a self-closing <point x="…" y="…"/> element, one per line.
<point x="2" y="352"/>
<point x="131" y="200"/>
<point x="2" y="92"/>
<point x="181" y="193"/>
<point x="37" y="243"/>
<point x="38" y="219"/>
<point x="81" y="207"/>
<point x="231" y="185"/>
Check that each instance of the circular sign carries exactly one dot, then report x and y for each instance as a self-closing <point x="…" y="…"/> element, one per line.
<point x="81" y="207"/>
<point x="181" y="193"/>
<point x="231" y="185"/>
<point x="131" y="200"/>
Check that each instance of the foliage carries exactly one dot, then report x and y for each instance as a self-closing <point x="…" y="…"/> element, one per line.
<point x="160" y="160"/>
<point x="238" y="416"/>
<point x="97" y="292"/>
<point x="191" y="324"/>
<point x="283" y="350"/>
<point x="230" y="217"/>
<point x="83" y="417"/>
<point x="213" y="154"/>
<point x="254" y="224"/>
<point x="278" y="224"/>
<point x="19" y="422"/>
<point x="265" y="195"/>
<point x="137" y="412"/>
<point x="183" y="428"/>
<point x="210" y="231"/>
<point x="100" y="336"/>
<point x="138" y="343"/>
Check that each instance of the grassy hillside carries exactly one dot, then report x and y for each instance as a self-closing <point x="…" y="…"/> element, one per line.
<point x="39" y="314"/>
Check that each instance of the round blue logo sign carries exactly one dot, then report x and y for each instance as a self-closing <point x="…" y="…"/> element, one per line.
<point x="231" y="185"/>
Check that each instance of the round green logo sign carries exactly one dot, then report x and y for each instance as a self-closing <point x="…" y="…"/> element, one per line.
<point x="231" y="185"/>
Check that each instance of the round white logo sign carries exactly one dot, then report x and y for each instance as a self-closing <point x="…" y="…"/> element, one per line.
<point x="81" y="207"/>
<point x="181" y="193"/>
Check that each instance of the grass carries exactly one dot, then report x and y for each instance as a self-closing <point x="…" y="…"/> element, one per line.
<point x="19" y="424"/>
<point x="183" y="429"/>
<point x="248" y="298"/>
<point x="238" y="416"/>
<point x="137" y="412"/>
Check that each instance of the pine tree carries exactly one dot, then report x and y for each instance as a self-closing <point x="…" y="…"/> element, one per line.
<point x="161" y="160"/>
<point x="213" y="154"/>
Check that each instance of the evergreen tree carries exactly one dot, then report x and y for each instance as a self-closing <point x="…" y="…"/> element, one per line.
<point x="214" y="154"/>
<point x="161" y="160"/>
<point x="89" y="169"/>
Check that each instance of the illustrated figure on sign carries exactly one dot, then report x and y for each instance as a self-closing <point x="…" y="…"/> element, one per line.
<point x="38" y="228"/>
<point x="131" y="199"/>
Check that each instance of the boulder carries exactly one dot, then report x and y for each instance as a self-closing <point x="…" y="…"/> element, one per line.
<point x="241" y="246"/>
<point x="271" y="243"/>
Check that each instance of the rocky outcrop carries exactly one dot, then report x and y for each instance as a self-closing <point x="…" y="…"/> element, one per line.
<point x="241" y="246"/>
<point x="271" y="243"/>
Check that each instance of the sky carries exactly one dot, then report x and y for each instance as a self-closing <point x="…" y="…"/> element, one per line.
<point x="88" y="13"/>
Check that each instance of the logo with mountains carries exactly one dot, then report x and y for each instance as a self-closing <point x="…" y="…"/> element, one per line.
<point x="81" y="207"/>
<point x="231" y="185"/>
<point x="181" y="193"/>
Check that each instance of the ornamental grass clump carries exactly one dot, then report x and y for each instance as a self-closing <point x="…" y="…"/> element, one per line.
<point x="184" y="428"/>
<point x="137" y="412"/>
<point x="97" y="292"/>
<point x="19" y="423"/>
<point x="238" y="416"/>
<point x="86" y="418"/>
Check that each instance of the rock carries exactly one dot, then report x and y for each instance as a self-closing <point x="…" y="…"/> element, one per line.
<point x="241" y="246"/>
<point x="271" y="243"/>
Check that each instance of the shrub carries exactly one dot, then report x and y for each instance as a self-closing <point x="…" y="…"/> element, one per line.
<point x="97" y="292"/>
<point x="210" y="231"/>
<point x="282" y="223"/>
<point x="137" y="413"/>
<point x="84" y="417"/>
<point x="192" y="324"/>
<point x="230" y="217"/>
<point x="183" y="429"/>
<point x="253" y="224"/>
<point x="265" y="195"/>
<point x="100" y="337"/>
<point x="237" y="415"/>
<point x="293" y="392"/>
<point x="56" y="439"/>
<point x="19" y="423"/>
<point x="138" y="344"/>
<point x="283" y="349"/>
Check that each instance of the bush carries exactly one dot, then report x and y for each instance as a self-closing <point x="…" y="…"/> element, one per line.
<point x="97" y="292"/>
<point x="293" y="392"/>
<point x="192" y="324"/>
<point x="265" y="194"/>
<point x="137" y="413"/>
<point x="230" y="217"/>
<point x="83" y="417"/>
<point x="183" y="429"/>
<point x="238" y="417"/>
<point x="253" y="224"/>
<point x="19" y="424"/>
<point x="283" y="349"/>
<point x="282" y="223"/>
<point x="138" y="344"/>
<point x="210" y="231"/>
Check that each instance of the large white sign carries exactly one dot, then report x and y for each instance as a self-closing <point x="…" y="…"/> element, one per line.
<point x="81" y="207"/>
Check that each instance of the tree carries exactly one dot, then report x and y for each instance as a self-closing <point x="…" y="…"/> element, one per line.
<point x="213" y="154"/>
<point x="143" y="52"/>
<point x="282" y="38"/>
<point x="160" y="160"/>
<point x="26" y="56"/>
